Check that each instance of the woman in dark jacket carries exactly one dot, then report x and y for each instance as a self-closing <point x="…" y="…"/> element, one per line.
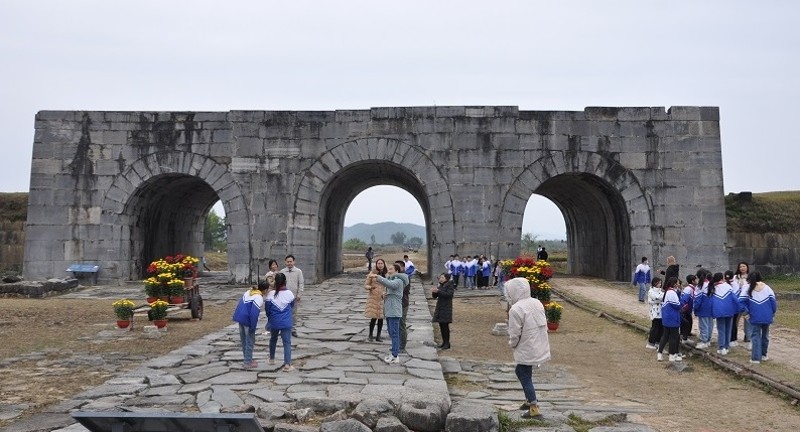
<point x="444" y="308"/>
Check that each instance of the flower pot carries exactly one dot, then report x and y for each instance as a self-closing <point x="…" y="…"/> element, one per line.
<point x="151" y="299"/>
<point x="552" y="326"/>
<point x="164" y="298"/>
<point x="123" y="323"/>
<point x="176" y="300"/>
<point x="160" y="323"/>
<point x="188" y="282"/>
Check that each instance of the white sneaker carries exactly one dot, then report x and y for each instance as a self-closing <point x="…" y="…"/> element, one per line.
<point x="764" y="358"/>
<point x="659" y="357"/>
<point x="701" y="345"/>
<point x="724" y="351"/>
<point x="650" y="346"/>
<point x="672" y="358"/>
<point x="391" y="359"/>
<point x="733" y="343"/>
<point x="678" y="357"/>
<point x="749" y="346"/>
<point x="755" y="361"/>
<point x="719" y="351"/>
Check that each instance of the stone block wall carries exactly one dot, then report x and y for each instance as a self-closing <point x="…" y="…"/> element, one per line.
<point x="120" y="188"/>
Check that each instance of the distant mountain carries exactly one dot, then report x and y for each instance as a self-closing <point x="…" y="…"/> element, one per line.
<point x="383" y="232"/>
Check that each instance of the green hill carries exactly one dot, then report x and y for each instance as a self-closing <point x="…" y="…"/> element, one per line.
<point x="383" y="232"/>
<point x="773" y="212"/>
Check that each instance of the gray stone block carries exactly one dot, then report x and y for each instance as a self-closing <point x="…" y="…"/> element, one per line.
<point x="472" y="416"/>
<point x="349" y="425"/>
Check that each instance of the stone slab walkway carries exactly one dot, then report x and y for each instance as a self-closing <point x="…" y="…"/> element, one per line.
<point x="336" y="370"/>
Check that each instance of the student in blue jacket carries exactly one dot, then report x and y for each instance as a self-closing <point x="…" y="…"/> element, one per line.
<point x="724" y="304"/>
<point x="280" y="308"/>
<point x="702" y="309"/>
<point x="757" y="301"/>
<point x="670" y="320"/>
<point x="246" y="314"/>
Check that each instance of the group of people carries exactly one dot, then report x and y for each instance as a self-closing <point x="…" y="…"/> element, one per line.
<point x="475" y="271"/>
<point x="724" y="298"/>
<point x="279" y="296"/>
<point x="388" y="290"/>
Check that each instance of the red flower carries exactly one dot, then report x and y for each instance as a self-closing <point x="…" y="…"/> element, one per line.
<point x="151" y="269"/>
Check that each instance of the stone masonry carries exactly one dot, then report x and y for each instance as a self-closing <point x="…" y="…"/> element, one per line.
<point x="119" y="189"/>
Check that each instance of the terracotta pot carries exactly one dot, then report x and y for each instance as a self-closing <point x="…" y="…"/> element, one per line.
<point x="552" y="326"/>
<point x="188" y="282"/>
<point x="160" y="323"/>
<point x="151" y="299"/>
<point x="176" y="300"/>
<point x="123" y="323"/>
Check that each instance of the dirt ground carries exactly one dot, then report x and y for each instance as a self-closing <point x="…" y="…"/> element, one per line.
<point x="49" y="348"/>
<point x="610" y="359"/>
<point x="614" y="365"/>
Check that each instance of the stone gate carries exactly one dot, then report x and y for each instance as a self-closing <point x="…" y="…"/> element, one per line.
<point x="121" y="188"/>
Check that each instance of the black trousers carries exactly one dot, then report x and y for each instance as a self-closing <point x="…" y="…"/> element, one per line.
<point x="656" y="330"/>
<point x="445" y="329"/>
<point x="686" y="325"/>
<point x="670" y="335"/>
<point x="372" y="326"/>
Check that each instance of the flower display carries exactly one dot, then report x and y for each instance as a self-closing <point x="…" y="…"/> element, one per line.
<point x="536" y="272"/>
<point x="553" y="312"/>
<point x="124" y="309"/>
<point x="166" y="275"/>
<point x="158" y="310"/>
<point x="184" y="266"/>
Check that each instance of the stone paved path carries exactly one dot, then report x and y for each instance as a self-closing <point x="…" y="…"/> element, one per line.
<point x="336" y="367"/>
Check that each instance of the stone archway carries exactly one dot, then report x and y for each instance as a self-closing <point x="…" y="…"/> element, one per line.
<point x="159" y="204"/>
<point x="607" y="214"/>
<point x="339" y="175"/>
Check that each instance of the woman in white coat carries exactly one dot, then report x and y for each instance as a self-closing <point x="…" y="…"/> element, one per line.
<point x="527" y="336"/>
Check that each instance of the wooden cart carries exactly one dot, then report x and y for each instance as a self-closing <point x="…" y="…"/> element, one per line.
<point x="192" y="300"/>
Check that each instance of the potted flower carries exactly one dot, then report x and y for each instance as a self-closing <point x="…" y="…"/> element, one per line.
<point x="537" y="272"/>
<point x="175" y="290"/>
<point x="553" y="312"/>
<point x="152" y="287"/>
<point x="158" y="313"/>
<point x="124" y="311"/>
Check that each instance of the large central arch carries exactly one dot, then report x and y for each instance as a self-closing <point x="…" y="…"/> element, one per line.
<point x="338" y="176"/>
<point x="597" y="197"/>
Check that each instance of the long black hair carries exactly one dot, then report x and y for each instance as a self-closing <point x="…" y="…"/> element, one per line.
<point x="752" y="279"/>
<point x="280" y="283"/>
<point x="718" y="277"/>
<point x="672" y="282"/>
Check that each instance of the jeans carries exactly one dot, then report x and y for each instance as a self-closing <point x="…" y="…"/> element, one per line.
<point x="642" y="291"/>
<point x="393" y="324"/>
<point x="759" y="337"/>
<point x="706" y="325"/>
<point x="469" y="281"/>
<point x="247" y="336"/>
<point x="724" y="332"/>
<point x="501" y="288"/>
<point x="286" y="337"/>
<point x="525" y="377"/>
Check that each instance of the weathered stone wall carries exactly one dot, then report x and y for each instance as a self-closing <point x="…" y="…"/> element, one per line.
<point x="120" y="188"/>
<point x="769" y="253"/>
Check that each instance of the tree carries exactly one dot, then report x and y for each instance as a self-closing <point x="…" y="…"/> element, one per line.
<point x="354" y="244"/>
<point x="215" y="233"/>
<point x="372" y="239"/>
<point x="529" y="242"/>
<point x="415" y="242"/>
<point x="398" y="238"/>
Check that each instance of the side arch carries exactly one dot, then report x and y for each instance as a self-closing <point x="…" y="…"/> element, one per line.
<point x="172" y="188"/>
<point x="608" y="215"/>
<point x="336" y="177"/>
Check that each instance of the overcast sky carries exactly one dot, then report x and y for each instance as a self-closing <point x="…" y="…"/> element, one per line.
<point x="311" y="55"/>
